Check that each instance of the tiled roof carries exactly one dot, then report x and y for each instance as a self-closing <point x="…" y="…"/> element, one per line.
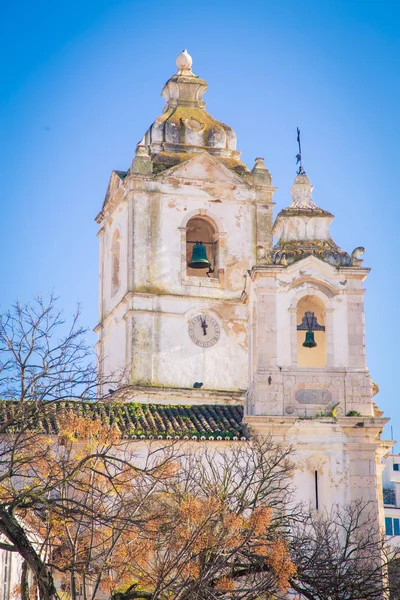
<point x="137" y="420"/>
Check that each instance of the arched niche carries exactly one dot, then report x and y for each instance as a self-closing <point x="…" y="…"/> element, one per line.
<point x="311" y="312"/>
<point x="200" y="228"/>
<point x="115" y="262"/>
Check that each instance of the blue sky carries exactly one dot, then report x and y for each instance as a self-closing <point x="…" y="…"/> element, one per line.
<point x="80" y="84"/>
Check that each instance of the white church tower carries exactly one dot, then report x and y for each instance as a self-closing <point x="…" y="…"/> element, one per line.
<point x="165" y="324"/>
<point x="308" y="379"/>
<point x="198" y="306"/>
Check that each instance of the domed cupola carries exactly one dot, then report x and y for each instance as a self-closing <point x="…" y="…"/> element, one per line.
<point x="303" y="229"/>
<point x="185" y="128"/>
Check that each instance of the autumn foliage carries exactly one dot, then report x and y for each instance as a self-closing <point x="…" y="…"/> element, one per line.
<point x="124" y="519"/>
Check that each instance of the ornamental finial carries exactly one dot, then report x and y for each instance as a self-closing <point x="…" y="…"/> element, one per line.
<point x="184" y="62"/>
<point x="302" y="192"/>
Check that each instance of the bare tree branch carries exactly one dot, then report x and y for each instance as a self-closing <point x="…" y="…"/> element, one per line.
<point x="341" y="555"/>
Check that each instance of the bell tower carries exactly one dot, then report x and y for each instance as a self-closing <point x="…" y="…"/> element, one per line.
<point x="308" y="381"/>
<point x="178" y="232"/>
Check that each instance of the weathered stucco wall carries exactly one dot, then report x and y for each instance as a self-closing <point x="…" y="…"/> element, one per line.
<point x="143" y="328"/>
<point x="278" y="384"/>
<point x="345" y="454"/>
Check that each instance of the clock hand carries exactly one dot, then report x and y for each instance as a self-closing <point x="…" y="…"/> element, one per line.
<point x="204" y="325"/>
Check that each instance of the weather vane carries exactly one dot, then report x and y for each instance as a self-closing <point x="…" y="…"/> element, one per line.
<point x="301" y="170"/>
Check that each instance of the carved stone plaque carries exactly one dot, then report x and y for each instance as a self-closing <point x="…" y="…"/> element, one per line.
<point x="313" y="396"/>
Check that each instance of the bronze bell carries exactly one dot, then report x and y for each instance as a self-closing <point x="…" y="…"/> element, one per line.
<point x="199" y="258"/>
<point x="309" y="342"/>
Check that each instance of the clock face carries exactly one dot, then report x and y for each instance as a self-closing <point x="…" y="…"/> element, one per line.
<point x="204" y="331"/>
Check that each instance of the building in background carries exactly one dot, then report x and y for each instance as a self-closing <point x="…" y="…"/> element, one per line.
<point x="391" y="497"/>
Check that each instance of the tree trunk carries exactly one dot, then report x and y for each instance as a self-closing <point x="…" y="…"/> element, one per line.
<point x="24" y="581"/>
<point x="73" y="585"/>
<point x="84" y="587"/>
<point x="10" y="527"/>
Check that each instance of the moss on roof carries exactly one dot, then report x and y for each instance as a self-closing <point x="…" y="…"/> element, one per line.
<point x="165" y="160"/>
<point x="134" y="420"/>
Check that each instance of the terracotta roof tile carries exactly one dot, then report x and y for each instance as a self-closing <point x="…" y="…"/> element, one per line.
<point x="134" y="419"/>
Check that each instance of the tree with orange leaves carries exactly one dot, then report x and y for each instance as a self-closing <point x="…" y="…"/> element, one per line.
<point x="87" y="508"/>
<point x="43" y="362"/>
<point x="217" y="528"/>
<point x="94" y="492"/>
<point x="168" y="522"/>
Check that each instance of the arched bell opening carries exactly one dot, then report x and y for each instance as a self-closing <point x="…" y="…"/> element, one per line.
<point x="115" y="262"/>
<point x="311" y="335"/>
<point x="201" y="247"/>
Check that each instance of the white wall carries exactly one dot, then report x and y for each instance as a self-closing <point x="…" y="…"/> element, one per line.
<point x="10" y="573"/>
<point x="144" y="327"/>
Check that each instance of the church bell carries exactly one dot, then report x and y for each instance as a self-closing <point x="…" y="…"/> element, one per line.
<point x="309" y="342"/>
<point x="199" y="258"/>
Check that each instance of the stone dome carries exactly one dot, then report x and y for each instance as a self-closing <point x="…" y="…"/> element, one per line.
<point x="186" y="128"/>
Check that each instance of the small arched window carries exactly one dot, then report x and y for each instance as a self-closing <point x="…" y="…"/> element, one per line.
<point x="311" y="318"/>
<point x="201" y="229"/>
<point x="115" y="263"/>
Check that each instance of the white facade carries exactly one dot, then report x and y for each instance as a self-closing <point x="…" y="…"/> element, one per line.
<point x="10" y="573"/>
<point x="156" y="298"/>
<point x="391" y="498"/>
<point x="187" y="180"/>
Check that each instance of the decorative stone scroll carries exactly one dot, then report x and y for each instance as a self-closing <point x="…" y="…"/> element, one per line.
<point x="313" y="396"/>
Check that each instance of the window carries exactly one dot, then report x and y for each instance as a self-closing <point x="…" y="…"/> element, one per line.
<point x="395" y="466"/>
<point x="392" y="526"/>
<point x="388" y="526"/>
<point x="389" y="496"/>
